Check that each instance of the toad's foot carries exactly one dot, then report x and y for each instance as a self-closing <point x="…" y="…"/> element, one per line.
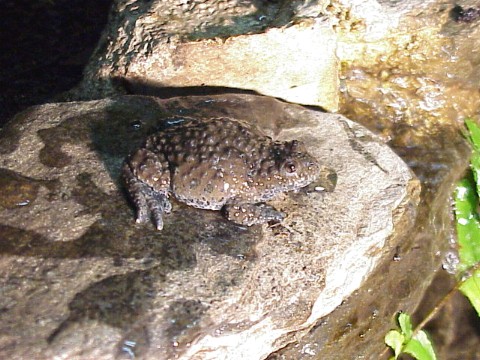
<point x="251" y="214"/>
<point x="154" y="202"/>
<point x="147" y="201"/>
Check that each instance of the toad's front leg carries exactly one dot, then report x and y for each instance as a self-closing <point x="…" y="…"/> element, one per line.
<point x="147" y="180"/>
<point x="251" y="214"/>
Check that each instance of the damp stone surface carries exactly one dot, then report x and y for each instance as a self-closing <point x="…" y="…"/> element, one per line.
<point x="81" y="280"/>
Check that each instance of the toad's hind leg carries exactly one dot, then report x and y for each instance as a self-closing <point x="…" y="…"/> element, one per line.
<point x="147" y="180"/>
<point x="251" y="214"/>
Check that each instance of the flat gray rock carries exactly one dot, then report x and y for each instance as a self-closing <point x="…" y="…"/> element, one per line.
<point x="81" y="279"/>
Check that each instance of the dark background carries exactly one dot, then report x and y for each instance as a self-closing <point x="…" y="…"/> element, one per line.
<point x="44" y="46"/>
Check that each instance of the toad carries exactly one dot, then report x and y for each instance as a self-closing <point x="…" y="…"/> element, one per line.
<point x="216" y="164"/>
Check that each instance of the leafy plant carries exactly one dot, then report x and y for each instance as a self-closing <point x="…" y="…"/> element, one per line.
<point x="408" y="341"/>
<point x="468" y="223"/>
<point x="415" y="342"/>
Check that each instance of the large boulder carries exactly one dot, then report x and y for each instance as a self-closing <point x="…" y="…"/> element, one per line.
<point x="82" y="280"/>
<point x="273" y="48"/>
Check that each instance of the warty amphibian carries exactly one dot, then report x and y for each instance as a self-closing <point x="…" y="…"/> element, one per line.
<point x="217" y="164"/>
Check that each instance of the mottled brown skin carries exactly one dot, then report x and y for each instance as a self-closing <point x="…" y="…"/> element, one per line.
<point x="217" y="164"/>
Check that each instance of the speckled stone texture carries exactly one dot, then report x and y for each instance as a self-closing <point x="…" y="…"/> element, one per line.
<point x="81" y="280"/>
<point x="283" y="49"/>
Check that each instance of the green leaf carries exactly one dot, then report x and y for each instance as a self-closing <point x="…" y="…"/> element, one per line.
<point x="473" y="136"/>
<point x="468" y="225"/>
<point x="474" y="133"/>
<point x="406" y="325"/>
<point x="475" y="166"/>
<point x="395" y="340"/>
<point x="420" y="347"/>
<point x="471" y="289"/>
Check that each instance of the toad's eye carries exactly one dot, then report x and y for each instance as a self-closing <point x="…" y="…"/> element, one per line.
<point x="290" y="167"/>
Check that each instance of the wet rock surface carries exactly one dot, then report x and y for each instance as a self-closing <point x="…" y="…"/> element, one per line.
<point x="81" y="279"/>
<point x="410" y="76"/>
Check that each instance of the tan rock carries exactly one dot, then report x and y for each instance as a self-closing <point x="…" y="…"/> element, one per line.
<point x="281" y="49"/>
<point x="297" y="64"/>
<point x="81" y="280"/>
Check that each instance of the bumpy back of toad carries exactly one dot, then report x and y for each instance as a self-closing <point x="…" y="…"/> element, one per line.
<point x="288" y="167"/>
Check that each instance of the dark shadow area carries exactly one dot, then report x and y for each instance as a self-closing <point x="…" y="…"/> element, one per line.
<point x="120" y="301"/>
<point x="456" y="327"/>
<point x="466" y="15"/>
<point x="111" y="236"/>
<point x="44" y="46"/>
<point x="157" y="90"/>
